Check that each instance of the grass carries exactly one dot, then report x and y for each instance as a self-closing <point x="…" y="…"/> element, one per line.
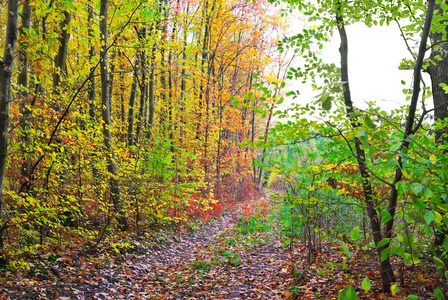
<point x="232" y="258"/>
<point x="252" y="224"/>
<point x="200" y="265"/>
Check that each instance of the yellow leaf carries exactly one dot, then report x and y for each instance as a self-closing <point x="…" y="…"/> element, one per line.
<point x="441" y="208"/>
<point x="433" y="158"/>
<point x="437" y="217"/>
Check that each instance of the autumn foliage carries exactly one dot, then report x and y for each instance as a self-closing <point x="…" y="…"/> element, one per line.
<point x="163" y="148"/>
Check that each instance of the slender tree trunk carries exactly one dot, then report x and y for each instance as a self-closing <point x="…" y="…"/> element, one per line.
<point x="171" y="125"/>
<point x="143" y="86"/>
<point x="61" y="57"/>
<point x="60" y="72"/>
<point x="183" y="83"/>
<point x="204" y="59"/>
<point x="22" y="81"/>
<point x="151" y="105"/>
<point x="266" y="132"/>
<point x="386" y="271"/>
<point x="91" y="57"/>
<point x="252" y="139"/>
<point x="111" y="80"/>
<point x="131" y="106"/>
<point x="5" y="81"/>
<point x="107" y="136"/>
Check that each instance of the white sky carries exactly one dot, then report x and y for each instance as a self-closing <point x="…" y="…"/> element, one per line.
<point x="374" y="56"/>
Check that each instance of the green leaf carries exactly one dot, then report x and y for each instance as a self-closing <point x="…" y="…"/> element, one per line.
<point x="408" y="240"/>
<point x="418" y="203"/>
<point x="417" y="188"/>
<point x="355" y="233"/>
<point x="366" y="284"/>
<point x="445" y="243"/>
<point x="438" y="261"/>
<point x="411" y="259"/>
<point x="400" y="251"/>
<point x="383" y="242"/>
<point x="326" y="101"/>
<point x="395" y="147"/>
<point x="235" y="102"/>
<point x="438" y="293"/>
<point x="427" y="193"/>
<point x="400" y="187"/>
<point x="413" y="297"/>
<point x="394" y="289"/>
<point x="386" y="215"/>
<point x="345" y="249"/>
<point x="348" y="293"/>
<point x="362" y="133"/>
<point x="445" y="87"/>
<point x="385" y="254"/>
<point x="369" y="122"/>
<point x="429" y="217"/>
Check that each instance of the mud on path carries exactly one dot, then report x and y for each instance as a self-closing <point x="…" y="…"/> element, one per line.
<point x="215" y="262"/>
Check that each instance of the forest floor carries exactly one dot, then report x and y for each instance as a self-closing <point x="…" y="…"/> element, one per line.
<point x="238" y="255"/>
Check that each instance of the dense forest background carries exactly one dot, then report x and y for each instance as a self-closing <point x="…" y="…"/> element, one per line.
<point x="129" y="115"/>
<point x="117" y="118"/>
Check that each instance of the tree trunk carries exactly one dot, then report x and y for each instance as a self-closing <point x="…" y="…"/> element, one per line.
<point x="143" y="86"/>
<point x="22" y="81"/>
<point x="5" y="81"/>
<point x="61" y="57"/>
<point x="107" y="136"/>
<point x="151" y="104"/>
<point x="131" y="106"/>
<point x="439" y="75"/>
<point x="386" y="271"/>
<point x="91" y="56"/>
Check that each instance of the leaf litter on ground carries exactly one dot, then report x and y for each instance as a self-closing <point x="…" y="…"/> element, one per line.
<point x="238" y="255"/>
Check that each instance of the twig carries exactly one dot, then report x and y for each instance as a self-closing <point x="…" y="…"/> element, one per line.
<point x="50" y="140"/>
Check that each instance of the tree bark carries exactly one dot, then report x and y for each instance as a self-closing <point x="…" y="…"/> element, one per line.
<point x="5" y="82"/>
<point x="438" y="73"/>
<point x="131" y="106"/>
<point x="107" y="136"/>
<point x="151" y="104"/>
<point x="92" y="91"/>
<point x="61" y="57"/>
<point x="386" y="271"/>
<point x="22" y="81"/>
<point x="143" y="86"/>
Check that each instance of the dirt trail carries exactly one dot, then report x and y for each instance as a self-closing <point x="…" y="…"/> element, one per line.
<point x="215" y="262"/>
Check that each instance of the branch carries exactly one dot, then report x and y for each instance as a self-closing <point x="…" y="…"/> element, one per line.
<point x="436" y="43"/>
<point x="360" y="161"/>
<point x="135" y="71"/>
<point x="50" y="140"/>
<point x="405" y="40"/>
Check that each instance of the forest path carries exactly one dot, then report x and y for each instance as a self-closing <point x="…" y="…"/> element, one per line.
<point x="236" y="256"/>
